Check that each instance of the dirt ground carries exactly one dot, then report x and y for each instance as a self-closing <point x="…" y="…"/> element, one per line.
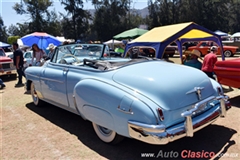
<point x="48" y="132"/>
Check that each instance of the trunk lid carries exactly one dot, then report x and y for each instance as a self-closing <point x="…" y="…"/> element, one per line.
<point x="172" y="86"/>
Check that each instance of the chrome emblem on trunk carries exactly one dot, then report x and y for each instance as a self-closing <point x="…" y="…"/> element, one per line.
<point x="198" y="91"/>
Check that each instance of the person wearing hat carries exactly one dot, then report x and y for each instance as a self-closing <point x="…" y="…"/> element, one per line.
<point x="51" y="48"/>
<point x="193" y="61"/>
<point x="209" y="61"/>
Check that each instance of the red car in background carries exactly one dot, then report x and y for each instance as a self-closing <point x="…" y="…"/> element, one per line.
<point x="204" y="46"/>
<point x="228" y="72"/>
<point x="7" y="63"/>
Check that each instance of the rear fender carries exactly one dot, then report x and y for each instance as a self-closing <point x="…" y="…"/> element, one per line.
<point x="110" y="106"/>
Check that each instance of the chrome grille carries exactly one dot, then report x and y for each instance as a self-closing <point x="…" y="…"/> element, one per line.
<point x="6" y="66"/>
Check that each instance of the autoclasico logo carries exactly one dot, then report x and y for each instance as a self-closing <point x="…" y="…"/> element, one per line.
<point x="188" y="154"/>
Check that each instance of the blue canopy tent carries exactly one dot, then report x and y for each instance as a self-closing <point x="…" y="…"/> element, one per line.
<point x="160" y="37"/>
<point x="2" y="45"/>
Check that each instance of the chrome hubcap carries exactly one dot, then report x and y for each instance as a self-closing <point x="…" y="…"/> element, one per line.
<point x="104" y="131"/>
<point x="227" y="54"/>
<point x="34" y="94"/>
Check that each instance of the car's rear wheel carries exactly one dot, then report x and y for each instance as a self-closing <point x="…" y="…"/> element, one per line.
<point x="107" y="135"/>
<point x="38" y="102"/>
<point x="227" y="53"/>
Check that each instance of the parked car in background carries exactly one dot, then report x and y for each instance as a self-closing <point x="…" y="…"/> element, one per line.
<point x="7" y="64"/>
<point x="142" y="98"/>
<point x="228" y="72"/>
<point x="204" y="46"/>
<point x="28" y="59"/>
<point x="172" y="49"/>
<point x="8" y="52"/>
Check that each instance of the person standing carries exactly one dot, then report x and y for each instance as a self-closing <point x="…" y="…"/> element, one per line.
<point x="18" y="62"/>
<point x="51" y="48"/>
<point x="209" y="61"/>
<point x="194" y="62"/>
<point x="38" y="53"/>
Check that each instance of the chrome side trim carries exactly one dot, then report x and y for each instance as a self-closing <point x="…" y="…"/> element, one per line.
<point x="53" y="80"/>
<point x="36" y="76"/>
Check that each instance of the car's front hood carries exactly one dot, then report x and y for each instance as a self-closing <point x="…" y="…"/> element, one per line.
<point x="172" y="86"/>
<point x="5" y="59"/>
<point x="235" y="63"/>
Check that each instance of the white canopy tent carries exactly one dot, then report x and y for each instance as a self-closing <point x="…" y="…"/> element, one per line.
<point x="236" y="35"/>
<point x="111" y="43"/>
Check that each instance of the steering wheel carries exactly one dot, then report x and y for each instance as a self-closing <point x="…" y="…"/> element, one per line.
<point x="71" y="55"/>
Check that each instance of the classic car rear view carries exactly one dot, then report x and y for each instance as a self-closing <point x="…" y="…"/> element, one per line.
<point x="144" y="98"/>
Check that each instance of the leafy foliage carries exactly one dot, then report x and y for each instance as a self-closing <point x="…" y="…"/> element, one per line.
<point x="41" y="19"/>
<point x="75" y="24"/>
<point x="212" y="14"/>
<point x="12" y="39"/>
<point x="3" y="32"/>
<point x="112" y="17"/>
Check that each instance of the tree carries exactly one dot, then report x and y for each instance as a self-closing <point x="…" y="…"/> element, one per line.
<point x="18" y="29"/>
<point x="54" y="26"/>
<point x="12" y="39"/>
<point x="212" y="14"/>
<point x="110" y="16"/>
<point x="3" y="32"/>
<point x="234" y="16"/>
<point x="75" y="24"/>
<point x="153" y="19"/>
<point x="37" y="10"/>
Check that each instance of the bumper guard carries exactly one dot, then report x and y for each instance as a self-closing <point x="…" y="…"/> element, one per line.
<point x="159" y="134"/>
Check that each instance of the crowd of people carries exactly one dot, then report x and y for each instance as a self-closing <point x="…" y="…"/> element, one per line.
<point x="38" y="57"/>
<point x="192" y="59"/>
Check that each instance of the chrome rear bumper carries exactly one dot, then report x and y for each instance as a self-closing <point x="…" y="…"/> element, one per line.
<point x="159" y="134"/>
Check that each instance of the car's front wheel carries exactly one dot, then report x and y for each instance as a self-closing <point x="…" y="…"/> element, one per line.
<point x="38" y="102"/>
<point x="107" y="135"/>
<point x="227" y="53"/>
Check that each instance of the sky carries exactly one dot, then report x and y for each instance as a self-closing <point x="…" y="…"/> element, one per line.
<point x="9" y="15"/>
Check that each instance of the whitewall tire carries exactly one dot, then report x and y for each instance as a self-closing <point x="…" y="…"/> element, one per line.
<point x="38" y="102"/>
<point x="106" y="135"/>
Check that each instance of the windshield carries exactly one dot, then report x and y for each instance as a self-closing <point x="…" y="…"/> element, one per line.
<point x="79" y="51"/>
<point x="2" y="53"/>
<point x="88" y="50"/>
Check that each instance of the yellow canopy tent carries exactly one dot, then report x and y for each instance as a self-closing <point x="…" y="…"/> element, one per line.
<point x="160" y="37"/>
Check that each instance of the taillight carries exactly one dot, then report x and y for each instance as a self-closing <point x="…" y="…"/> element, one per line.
<point x="160" y="112"/>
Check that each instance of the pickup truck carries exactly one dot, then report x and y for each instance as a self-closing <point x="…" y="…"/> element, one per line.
<point x="228" y="72"/>
<point x="204" y="46"/>
<point x="7" y="64"/>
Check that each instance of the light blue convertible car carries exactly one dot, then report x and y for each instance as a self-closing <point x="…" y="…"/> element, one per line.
<point x="142" y="98"/>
